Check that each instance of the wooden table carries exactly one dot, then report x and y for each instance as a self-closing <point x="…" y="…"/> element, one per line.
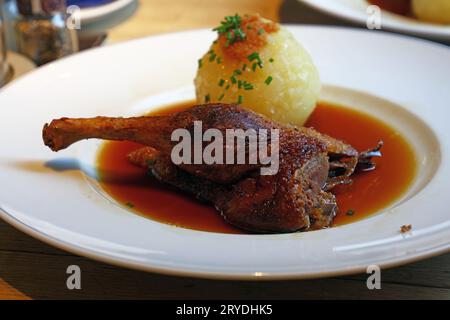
<point x="32" y="269"/>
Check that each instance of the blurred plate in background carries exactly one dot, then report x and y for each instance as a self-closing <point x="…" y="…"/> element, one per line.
<point x="97" y="20"/>
<point x="88" y="3"/>
<point x="356" y="11"/>
<point x="94" y="10"/>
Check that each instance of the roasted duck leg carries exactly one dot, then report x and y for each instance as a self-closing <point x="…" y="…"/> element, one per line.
<point x="295" y="198"/>
<point x="156" y="132"/>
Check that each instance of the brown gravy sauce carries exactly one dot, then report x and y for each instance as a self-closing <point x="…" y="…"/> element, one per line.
<point x="369" y="193"/>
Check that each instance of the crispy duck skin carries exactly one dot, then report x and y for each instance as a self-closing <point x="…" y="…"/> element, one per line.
<point x="293" y="199"/>
<point x="286" y="202"/>
<point x="156" y="131"/>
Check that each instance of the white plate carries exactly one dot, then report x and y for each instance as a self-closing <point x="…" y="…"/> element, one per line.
<point x="356" y="10"/>
<point x="64" y="208"/>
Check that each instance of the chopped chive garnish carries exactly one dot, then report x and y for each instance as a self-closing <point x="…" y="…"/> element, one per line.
<point x="237" y="72"/>
<point x="350" y="212"/>
<point x="200" y="63"/>
<point x="248" y="86"/>
<point x="221" y="96"/>
<point x="240" y="100"/>
<point x="231" y="28"/>
<point x="129" y="205"/>
<point x="244" y="67"/>
<point x="271" y="60"/>
<point x="230" y="22"/>
<point x="239" y="33"/>
<point x="233" y="79"/>
<point x="219" y="60"/>
<point x="261" y="31"/>
<point x="212" y="57"/>
<point x="268" y="80"/>
<point x="254" y="56"/>
<point x="207" y="98"/>
<point x="229" y="37"/>
<point x="227" y="87"/>
<point x="240" y="84"/>
<point x="221" y="82"/>
<point x="249" y="26"/>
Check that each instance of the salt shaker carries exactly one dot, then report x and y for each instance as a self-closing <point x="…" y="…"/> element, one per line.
<point x="41" y="32"/>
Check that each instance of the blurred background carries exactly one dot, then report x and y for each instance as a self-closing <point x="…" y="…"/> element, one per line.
<point x="34" y="32"/>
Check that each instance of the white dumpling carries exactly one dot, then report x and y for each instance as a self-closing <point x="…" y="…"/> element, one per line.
<point x="283" y="85"/>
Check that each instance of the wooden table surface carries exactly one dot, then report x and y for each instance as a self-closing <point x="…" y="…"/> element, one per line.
<point x="30" y="269"/>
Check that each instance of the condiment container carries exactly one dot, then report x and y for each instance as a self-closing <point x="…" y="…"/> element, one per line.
<point x="41" y="31"/>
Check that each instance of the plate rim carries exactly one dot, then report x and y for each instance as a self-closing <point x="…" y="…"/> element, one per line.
<point x="434" y="31"/>
<point x="183" y="272"/>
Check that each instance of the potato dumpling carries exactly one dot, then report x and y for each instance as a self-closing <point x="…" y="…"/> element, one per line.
<point x="258" y="64"/>
<point x="437" y="11"/>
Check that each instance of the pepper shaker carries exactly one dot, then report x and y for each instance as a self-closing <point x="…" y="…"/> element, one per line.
<point x="41" y="31"/>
